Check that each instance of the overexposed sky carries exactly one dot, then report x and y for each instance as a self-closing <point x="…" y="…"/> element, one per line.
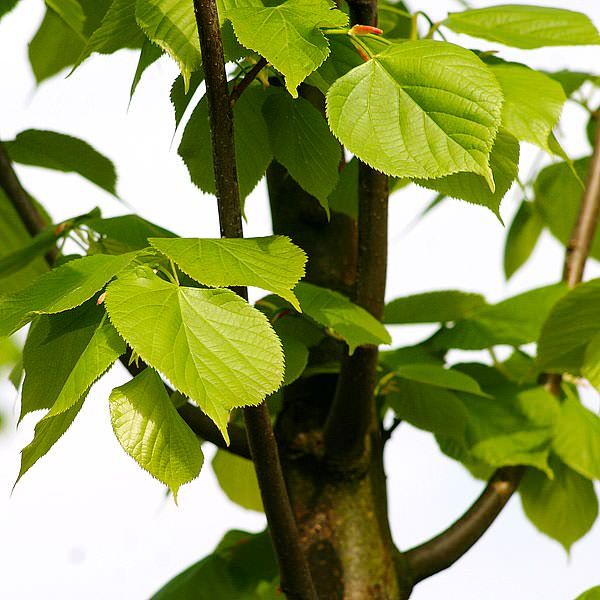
<point x="86" y="522"/>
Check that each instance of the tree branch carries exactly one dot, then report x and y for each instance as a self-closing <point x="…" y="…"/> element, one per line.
<point x="295" y="575"/>
<point x="198" y="422"/>
<point x="445" y="549"/>
<point x="352" y="412"/>
<point x="249" y="77"/>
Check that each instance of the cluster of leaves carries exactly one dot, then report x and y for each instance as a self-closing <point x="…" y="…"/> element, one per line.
<point x="424" y="111"/>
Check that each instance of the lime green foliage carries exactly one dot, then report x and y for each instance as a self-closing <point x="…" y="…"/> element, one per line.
<point x="514" y="321"/>
<point x="564" y="507"/>
<point x="237" y="479"/>
<point x="152" y="432"/>
<point x="288" y="35"/>
<point x="128" y="232"/>
<point x="557" y="196"/>
<point x="70" y="12"/>
<point x="577" y="437"/>
<point x="504" y="164"/>
<point x="182" y="97"/>
<point x="149" y="54"/>
<point x="572" y="324"/>
<point x="272" y="263"/>
<point x="440" y="377"/>
<point x="571" y="81"/>
<point x="236" y="569"/>
<point x="302" y="143"/>
<point x="61" y="289"/>
<point x="523" y="235"/>
<point x="392" y="21"/>
<point x="590" y="368"/>
<point x="61" y="152"/>
<point x="344" y="319"/>
<point x="591" y="594"/>
<point x="47" y="433"/>
<point x="252" y="148"/>
<point x="419" y="109"/>
<point x="525" y="26"/>
<point x="432" y="307"/>
<point x="82" y="345"/>
<point x="118" y="29"/>
<point x="532" y="103"/>
<point x="171" y="24"/>
<point x="210" y="344"/>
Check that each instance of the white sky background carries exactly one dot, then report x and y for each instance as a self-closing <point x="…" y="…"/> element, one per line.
<point x="86" y="522"/>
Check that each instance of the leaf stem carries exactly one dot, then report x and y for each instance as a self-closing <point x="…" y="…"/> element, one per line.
<point x="248" y="78"/>
<point x="296" y="579"/>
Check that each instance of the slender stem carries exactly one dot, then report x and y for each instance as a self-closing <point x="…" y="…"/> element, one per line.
<point x="296" y="579"/>
<point x="445" y="549"/>
<point x="352" y="413"/>
<point x="249" y="77"/>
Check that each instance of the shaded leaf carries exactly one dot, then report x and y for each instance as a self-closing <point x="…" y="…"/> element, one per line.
<point x="522" y="237"/>
<point x="237" y="479"/>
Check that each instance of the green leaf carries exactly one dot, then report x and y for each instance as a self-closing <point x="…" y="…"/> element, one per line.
<point x="344" y="198"/>
<point x="591" y="594"/>
<point x="590" y="368"/>
<point x="180" y="97"/>
<point x="296" y="357"/>
<point x="432" y="307"/>
<point x="83" y="345"/>
<point x="418" y="109"/>
<point x="577" y="438"/>
<point x="522" y="237"/>
<point x="47" y="433"/>
<point x="171" y="24"/>
<point x="149" y="54"/>
<point x="532" y="103"/>
<point x="571" y="325"/>
<point x="288" y="35"/>
<point x="563" y="508"/>
<point x="514" y="322"/>
<point x="152" y="432"/>
<point x="350" y="322"/>
<point x="237" y="479"/>
<point x="118" y="30"/>
<point x="525" y="26"/>
<point x="63" y="288"/>
<point x="473" y="188"/>
<point x="210" y="344"/>
<point x="439" y="376"/>
<point x="61" y="152"/>
<point x="20" y="259"/>
<point x="6" y="6"/>
<point x="272" y="263"/>
<point x="394" y="24"/>
<point x="303" y="144"/>
<point x="252" y="148"/>
<point x="234" y="570"/>
<point x="70" y="12"/>
<point x="558" y="196"/>
<point x="570" y="81"/>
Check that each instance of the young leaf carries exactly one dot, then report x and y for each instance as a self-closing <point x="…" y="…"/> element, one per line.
<point x="61" y="289"/>
<point x="591" y="594"/>
<point x="564" y="507"/>
<point x="558" y="196"/>
<point x="432" y="307"/>
<point x="515" y="321"/>
<point x="210" y="344"/>
<point x="438" y="376"/>
<point x="525" y="26"/>
<point x="577" y="438"/>
<point x="522" y="238"/>
<point x="420" y="109"/>
<point x="272" y="263"/>
<point x="61" y="152"/>
<point x="171" y="24"/>
<point x="152" y="432"/>
<point x="47" y="433"/>
<point x="473" y="188"/>
<point x="288" y="35"/>
<point x="350" y="322"/>
<point x="571" y="325"/>
<point x="83" y="345"/>
<point x="532" y="103"/>
<point x="302" y="143"/>
<point x="252" y="148"/>
<point x="237" y="479"/>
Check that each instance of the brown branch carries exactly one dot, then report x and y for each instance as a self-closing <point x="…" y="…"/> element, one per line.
<point x="445" y="549"/>
<point x="296" y="579"/>
<point x="198" y="422"/>
<point x="352" y="413"/>
<point x="249" y="77"/>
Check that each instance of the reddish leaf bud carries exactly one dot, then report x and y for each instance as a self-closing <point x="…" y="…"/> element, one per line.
<point x="365" y="29"/>
<point x="101" y="298"/>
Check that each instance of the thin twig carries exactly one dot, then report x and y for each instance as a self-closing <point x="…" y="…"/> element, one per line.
<point x="296" y="579"/>
<point x="249" y="77"/>
<point x="445" y="549"/>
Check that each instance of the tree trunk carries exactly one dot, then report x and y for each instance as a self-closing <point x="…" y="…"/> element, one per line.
<point x="342" y="516"/>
